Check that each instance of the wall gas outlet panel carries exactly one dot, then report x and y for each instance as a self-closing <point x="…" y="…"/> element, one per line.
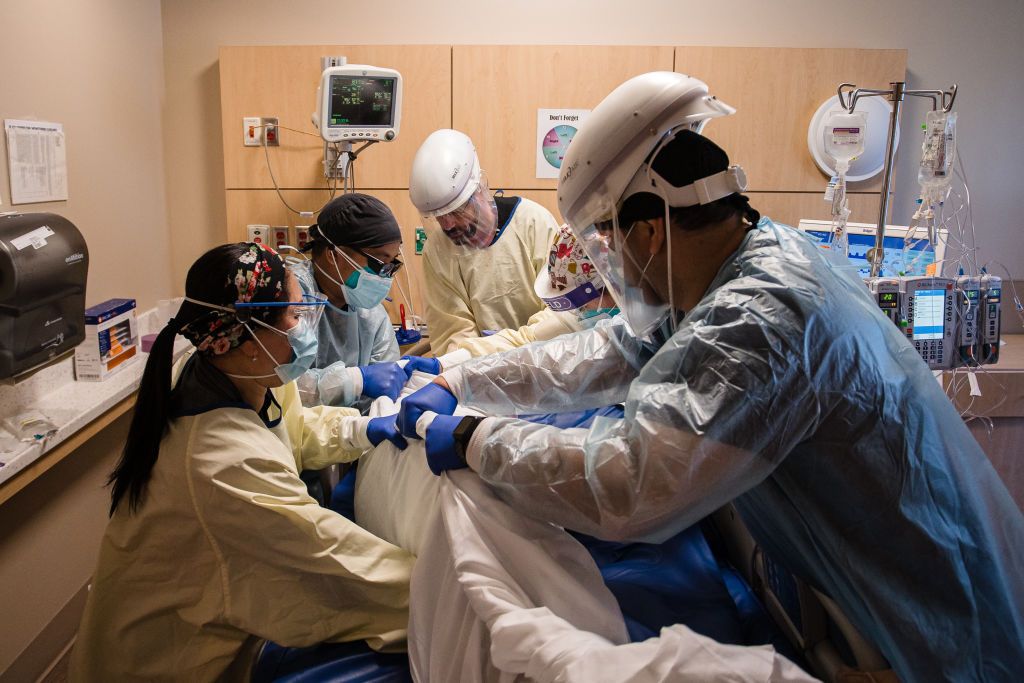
<point x="271" y="131"/>
<point x="258" y="233"/>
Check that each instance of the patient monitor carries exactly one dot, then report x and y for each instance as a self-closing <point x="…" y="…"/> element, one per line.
<point x="358" y="102"/>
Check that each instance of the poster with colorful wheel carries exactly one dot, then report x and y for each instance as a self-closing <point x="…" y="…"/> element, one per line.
<point x="555" y="130"/>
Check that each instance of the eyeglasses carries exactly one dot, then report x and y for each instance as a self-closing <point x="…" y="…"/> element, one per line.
<point x="379" y="267"/>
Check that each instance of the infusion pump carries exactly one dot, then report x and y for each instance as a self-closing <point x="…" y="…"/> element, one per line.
<point x="951" y="322"/>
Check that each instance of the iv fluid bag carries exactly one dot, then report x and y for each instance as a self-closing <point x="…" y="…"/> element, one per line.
<point x="938" y="151"/>
<point x="844" y="136"/>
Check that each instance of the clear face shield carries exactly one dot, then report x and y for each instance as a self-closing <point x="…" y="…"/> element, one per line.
<point x="622" y="255"/>
<point x="472" y="225"/>
<point x="641" y="281"/>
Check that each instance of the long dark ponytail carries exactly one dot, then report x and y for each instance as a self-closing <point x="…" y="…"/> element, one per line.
<point x="210" y="279"/>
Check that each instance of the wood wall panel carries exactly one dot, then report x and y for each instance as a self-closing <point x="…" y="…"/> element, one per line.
<point x="282" y="81"/>
<point x="776" y="92"/>
<point x="263" y="206"/>
<point x="499" y="88"/>
<point x="492" y="93"/>
<point x="546" y="198"/>
<point x="784" y="207"/>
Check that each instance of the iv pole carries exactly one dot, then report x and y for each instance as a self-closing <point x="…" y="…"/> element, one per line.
<point x="848" y="95"/>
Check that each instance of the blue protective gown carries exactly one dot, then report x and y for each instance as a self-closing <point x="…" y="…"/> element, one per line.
<point x="347" y="339"/>
<point x="787" y="391"/>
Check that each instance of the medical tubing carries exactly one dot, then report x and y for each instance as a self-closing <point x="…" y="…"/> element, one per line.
<point x="277" y="188"/>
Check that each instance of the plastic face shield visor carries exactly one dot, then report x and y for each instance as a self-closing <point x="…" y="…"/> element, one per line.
<point x="623" y="259"/>
<point x="472" y="225"/>
<point x="309" y="309"/>
<point x="615" y="252"/>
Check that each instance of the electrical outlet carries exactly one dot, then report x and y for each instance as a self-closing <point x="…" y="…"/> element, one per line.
<point x="279" y="234"/>
<point x="271" y="130"/>
<point x="252" y="131"/>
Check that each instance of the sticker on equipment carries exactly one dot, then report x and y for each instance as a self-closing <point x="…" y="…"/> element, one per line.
<point x="35" y="239"/>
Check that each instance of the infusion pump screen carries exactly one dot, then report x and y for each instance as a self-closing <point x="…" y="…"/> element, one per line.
<point x="361" y="101"/>
<point x="928" y="310"/>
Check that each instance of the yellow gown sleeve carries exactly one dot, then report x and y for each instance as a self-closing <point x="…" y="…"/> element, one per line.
<point x="542" y="326"/>
<point x="449" y="317"/>
<point x="289" y="570"/>
<point x="321" y="435"/>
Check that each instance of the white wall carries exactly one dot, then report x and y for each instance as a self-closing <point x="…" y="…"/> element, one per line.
<point x="96" y="66"/>
<point x="976" y="45"/>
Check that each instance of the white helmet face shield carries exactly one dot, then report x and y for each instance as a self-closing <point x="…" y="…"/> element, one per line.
<point x="623" y="260"/>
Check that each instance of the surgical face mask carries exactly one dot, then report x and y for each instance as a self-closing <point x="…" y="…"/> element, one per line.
<point x="589" y="319"/>
<point x="644" y="309"/>
<point x="364" y="288"/>
<point x="303" y="341"/>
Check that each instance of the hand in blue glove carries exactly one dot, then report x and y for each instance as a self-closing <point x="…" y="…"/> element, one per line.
<point x="431" y="397"/>
<point x="440" y="443"/>
<point x="383" y="379"/>
<point x="381" y="428"/>
<point x="431" y="366"/>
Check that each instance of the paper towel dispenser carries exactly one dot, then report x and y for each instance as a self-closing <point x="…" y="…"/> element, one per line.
<point x="43" y="267"/>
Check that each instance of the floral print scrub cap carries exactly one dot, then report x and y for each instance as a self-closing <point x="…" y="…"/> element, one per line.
<point x="257" y="275"/>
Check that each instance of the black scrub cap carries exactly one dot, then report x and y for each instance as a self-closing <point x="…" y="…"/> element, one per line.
<point x="355" y="220"/>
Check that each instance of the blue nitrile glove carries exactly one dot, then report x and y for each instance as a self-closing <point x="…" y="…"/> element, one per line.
<point x="440" y="442"/>
<point x="487" y="333"/>
<point x="431" y="366"/>
<point x="431" y="397"/>
<point x="383" y="379"/>
<point x="381" y="428"/>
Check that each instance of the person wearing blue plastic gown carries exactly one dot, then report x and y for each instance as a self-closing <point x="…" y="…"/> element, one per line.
<point x="783" y="389"/>
<point x="354" y="246"/>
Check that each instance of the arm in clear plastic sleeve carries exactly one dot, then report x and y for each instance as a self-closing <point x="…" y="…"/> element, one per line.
<point x="385" y="344"/>
<point x="589" y="369"/>
<point x="731" y="403"/>
<point x="335" y="385"/>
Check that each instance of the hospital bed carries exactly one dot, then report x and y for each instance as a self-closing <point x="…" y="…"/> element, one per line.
<point x="702" y="578"/>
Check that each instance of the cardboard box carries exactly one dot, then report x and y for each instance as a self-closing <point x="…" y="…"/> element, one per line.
<point x="111" y="340"/>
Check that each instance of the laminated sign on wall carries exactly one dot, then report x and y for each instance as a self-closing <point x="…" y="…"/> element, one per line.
<point x="555" y="130"/>
<point x="37" y="161"/>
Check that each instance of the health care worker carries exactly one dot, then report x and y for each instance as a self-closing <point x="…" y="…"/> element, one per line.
<point x="783" y="389"/>
<point x="355" y="244"/>
<point x="213" y="543"/>
<point x="480" y="277"/>
<point x="574" y="297"/>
